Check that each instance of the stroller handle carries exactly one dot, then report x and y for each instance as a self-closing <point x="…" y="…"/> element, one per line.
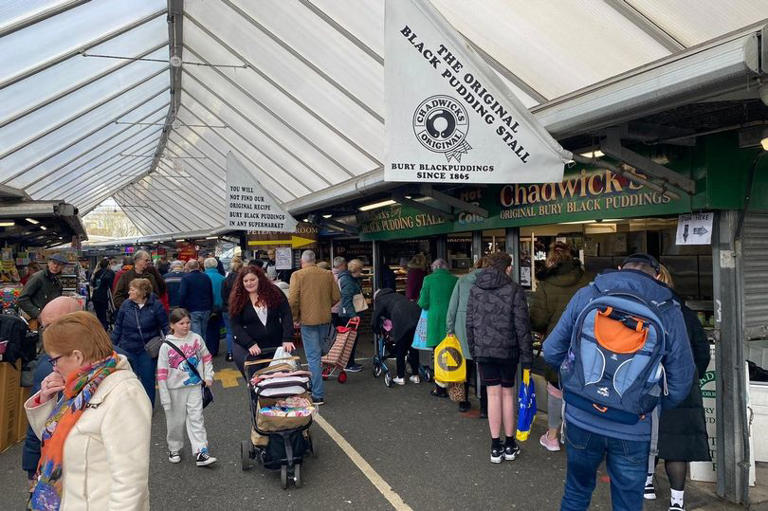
<point x="249" y="363"/>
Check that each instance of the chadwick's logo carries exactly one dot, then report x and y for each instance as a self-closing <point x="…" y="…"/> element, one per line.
<point x="441" y="124"/>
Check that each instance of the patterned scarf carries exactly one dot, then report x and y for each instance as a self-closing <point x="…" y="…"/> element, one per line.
<point x="80" y="387"/>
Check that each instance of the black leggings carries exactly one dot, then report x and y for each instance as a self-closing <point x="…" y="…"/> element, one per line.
<point x="403" y="347"/>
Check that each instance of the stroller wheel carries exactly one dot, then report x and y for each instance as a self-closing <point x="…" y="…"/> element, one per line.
<point x="297" y="475"/>
<point x="245" y="454"/>
<point x="387" y="380"/>
<point x="343" y="377"/>
<point x="284" y="476"/>
<point x="376" y="369"/>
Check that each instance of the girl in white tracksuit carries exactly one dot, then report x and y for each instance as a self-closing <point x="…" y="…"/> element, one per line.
<point x="181" y="389"/>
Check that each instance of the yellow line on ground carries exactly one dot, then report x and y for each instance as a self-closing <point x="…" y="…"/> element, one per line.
<point x="367" y="470"/>
<point x="228" y="377"/>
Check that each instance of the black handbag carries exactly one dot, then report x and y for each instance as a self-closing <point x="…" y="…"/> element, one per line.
<point x="207" y="393"/>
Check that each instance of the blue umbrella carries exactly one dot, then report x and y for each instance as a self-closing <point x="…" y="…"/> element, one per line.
<point x="527" y="400"/>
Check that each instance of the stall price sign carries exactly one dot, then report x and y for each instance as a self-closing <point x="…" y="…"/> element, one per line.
<point x="250" y="207"/>
<point x="449" y="118"/>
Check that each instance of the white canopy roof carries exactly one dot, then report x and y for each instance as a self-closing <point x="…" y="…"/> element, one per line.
<point x="90" y="106"/>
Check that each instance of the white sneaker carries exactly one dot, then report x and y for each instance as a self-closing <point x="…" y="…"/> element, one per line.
<point x="399" y="381"/>
<point x="415" y="379"/>
<point x="204" y="459"/>
<point x="174" y="456"/>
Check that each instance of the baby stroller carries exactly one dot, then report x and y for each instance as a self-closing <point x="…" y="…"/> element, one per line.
<point x="281" y="414"/>
<point x="338" y="355"/>
<point x="384" y="348"/>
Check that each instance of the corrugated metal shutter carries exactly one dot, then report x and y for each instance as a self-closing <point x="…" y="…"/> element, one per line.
<point x="755" y="266"/>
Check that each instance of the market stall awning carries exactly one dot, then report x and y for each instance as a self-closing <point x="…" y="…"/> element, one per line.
<point x="92" y="105"/>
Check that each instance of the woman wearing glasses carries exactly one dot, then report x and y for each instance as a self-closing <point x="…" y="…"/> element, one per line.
<point x="95" y="438"/>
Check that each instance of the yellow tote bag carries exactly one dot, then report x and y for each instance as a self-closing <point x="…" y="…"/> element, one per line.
<point x="450" y="364"/>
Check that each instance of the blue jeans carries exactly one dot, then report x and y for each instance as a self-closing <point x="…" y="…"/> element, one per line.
<point x="626" y="461"/>
<point x="230" y="337"/>
<point x="312" y="338"/>
<point x="199" y="320"/>
<point x="144" y="367"/>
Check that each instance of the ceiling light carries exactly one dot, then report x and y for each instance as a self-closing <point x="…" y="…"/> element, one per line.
<point x="597" y="153"/>
<point x="43" y="227"/>
<point x="764" y="143"/>
<point x="327" y="216"/>
<point x="32" y="221"/>
<point x="211" y="237"/>
<point x="377" y="205"/>
<point x="9" y="223"/>
<point x="579" y="222"/>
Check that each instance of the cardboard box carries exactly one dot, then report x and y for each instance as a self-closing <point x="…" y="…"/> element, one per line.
<point x="21" y="415"/>
<point x="10" y="389"/>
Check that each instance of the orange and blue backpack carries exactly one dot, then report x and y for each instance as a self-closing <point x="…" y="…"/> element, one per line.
<point x="613" y="367"/>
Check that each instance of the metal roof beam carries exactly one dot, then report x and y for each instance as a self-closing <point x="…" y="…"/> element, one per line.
<point x="506" y="73"/>
<point x="136" y="129"/>
<point x="41" y="16"/>
<point x="400" y="197"/>
<point x="128" y="197"/>
<point x="176" y="48"/>
<point x="132" y="213"/>
<point x="80" y="139"/>
<point x="248" y="142"/>
<point x="266" y="132"/>
<point x="69" y="120"/>
<point x="109" y="152"/>
<point x="174" y="214"/>
<point x="298" y="56"/>
<point x="282" y="90"/>
<point x="126" y="171"/>
<point x="80" y="49"/>
<point x="429" y="191"/>
<point x="99" y="169"/>
<point x="645" y="24"/>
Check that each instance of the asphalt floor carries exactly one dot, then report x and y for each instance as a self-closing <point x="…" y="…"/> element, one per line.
<point x="426" y="453"/>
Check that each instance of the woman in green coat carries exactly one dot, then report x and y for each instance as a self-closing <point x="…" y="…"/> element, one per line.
<point x="456" y="323"/>
<point x="434" y="298"/>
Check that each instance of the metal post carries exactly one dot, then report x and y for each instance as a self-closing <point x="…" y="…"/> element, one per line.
<point x="332" y="254"/>
<point x="441" y="246"/>
<point x="513" y="248"/>
<point x="377" y="264"/>
<point x="477" y="245"/>
<point x="732" y="428"/>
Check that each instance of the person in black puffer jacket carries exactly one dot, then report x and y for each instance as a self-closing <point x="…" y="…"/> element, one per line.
<point x="499" y="335"/>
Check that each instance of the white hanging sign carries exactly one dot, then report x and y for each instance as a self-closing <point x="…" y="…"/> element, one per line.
<point x="695" y="229"/>
<point x="449" y="118"/>
<point x="250" y="207"/>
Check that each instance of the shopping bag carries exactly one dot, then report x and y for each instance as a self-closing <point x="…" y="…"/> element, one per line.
<point x="359" y="302"/>
<point x="527" y="401"/>
<point x="450" y="364"/>
<point x="420" y="337"/>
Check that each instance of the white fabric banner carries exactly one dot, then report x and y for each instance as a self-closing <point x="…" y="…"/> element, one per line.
<point x="250" y="207"/>
<point x="449" y="118"/>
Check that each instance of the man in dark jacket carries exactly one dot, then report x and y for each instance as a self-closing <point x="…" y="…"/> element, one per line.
<point x="173" y="283"/>
<point x="196" y="295"/>
<point x="42" y="287"/>
<point x="141" y="261"/>
<point x="404" y="315"/>
<point x="498" y="336"/>
<point x="591" y="438"/>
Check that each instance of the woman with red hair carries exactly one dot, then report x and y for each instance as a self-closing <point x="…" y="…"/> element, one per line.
<point x="259" y="315"/>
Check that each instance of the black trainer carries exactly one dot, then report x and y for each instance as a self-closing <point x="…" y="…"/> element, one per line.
<point x="497" y="454"/>
<point x="511" y="452"/>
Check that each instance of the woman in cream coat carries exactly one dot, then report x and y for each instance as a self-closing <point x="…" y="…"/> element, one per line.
<point x="96" y="437"/>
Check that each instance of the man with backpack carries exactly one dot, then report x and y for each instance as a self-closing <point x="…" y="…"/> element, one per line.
<point x="622" y="349"/>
